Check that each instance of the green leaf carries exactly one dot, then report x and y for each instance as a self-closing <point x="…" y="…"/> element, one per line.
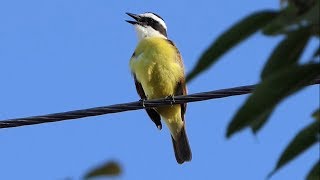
<point x="301" y="142"/>
<point x="270" y="92"/>
<point x="314" y="174"/>
<point x="108" y="169"/>
<point x="312" y="16"/>
<point x="290" y="19"/>
<point x="316" y="52"/>
<point x="261" y="120"/>
<point x="287" y="52"/>
<point x="231" y="38"/>
<point x="316" y="114"/>
<point x="285" y="18"/>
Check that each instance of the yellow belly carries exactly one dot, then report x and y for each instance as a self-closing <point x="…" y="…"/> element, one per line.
<point x="157" y="68"/>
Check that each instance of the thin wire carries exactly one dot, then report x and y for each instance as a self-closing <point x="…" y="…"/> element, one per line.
<point x="129" y="106"/>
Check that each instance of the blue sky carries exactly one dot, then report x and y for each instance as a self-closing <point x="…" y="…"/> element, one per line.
<point x="64" y="55"/>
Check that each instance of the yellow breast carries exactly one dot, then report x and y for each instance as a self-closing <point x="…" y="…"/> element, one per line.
<point x="156" y="66"/>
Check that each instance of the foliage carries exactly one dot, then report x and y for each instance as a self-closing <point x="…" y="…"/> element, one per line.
<point x="303" y="140"/>
<point x="269" y="93"/>
<point x="231" y="38"/>
<point x="282" y="75"/>
<point x="108" y="169"/>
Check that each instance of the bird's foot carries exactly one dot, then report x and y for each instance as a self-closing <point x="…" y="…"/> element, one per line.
<point x="142" y="101"/>
<point x="171" y="98"/>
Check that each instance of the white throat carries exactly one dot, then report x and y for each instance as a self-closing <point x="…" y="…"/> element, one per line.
<point x="146" y="32"/>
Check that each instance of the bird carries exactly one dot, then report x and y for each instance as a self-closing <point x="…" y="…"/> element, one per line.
<point x="158" y="72"/>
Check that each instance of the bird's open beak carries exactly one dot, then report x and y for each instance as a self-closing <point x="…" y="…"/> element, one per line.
<point x="135" y="17"/>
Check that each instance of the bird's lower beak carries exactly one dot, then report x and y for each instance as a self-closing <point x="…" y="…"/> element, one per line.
<point x="135" y="17"/>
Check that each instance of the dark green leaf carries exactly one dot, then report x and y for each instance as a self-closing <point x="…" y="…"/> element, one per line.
<point x="287" y="52"/>
<point x="291" y="19"/>
<point x="285" y="18"/>
<point x="317" y="52"/>
<point x="260" y="121"/>
<point x="312" y="16"/>
<point x="270" y="92"/>
<point x="301" y="142"/>
<point x="108" y="169"/>
<point x="316" y="114"/>
<point x="314" y="174"/>
<point x="231" y="38"/>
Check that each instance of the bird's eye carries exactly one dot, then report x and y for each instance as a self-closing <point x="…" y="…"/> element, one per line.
<point x="142" y="20"/>
<point x="149" y="20"/>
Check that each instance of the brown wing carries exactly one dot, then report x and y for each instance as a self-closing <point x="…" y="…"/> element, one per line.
<point x="155" y="117"/>
<point x="181" y="89"/>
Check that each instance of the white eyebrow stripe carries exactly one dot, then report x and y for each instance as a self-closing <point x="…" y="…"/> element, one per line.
<point x="155" y="18"/>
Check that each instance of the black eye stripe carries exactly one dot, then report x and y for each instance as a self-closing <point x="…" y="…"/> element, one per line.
<point x="154" y="24"/>
<point x="148" y="20"/>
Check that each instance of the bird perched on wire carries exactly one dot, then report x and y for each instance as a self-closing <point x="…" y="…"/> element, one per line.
<point x="158" y="72"/>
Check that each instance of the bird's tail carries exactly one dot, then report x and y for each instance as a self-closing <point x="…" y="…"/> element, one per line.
<point x="181" y="147"/>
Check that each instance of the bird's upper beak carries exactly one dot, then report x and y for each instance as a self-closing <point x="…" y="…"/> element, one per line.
<point x="135" y="17"/>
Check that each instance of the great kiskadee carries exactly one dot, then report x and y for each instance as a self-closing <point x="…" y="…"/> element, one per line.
<point x="158" y="72"/>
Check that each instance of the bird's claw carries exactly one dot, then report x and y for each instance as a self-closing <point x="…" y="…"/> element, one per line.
<point x="171" y="98"/>
<point x="142" y="101"/>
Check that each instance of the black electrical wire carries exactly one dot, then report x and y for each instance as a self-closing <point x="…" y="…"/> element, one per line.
<point x="129" y="106"/>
